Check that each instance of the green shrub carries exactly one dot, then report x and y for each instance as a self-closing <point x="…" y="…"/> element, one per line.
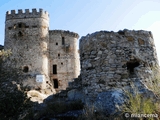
<point x="12" y="103"/>
<point x="155" y="83"/>
<point x="90" y="112"/>
<point x="139" y="104"/>
<point x="4" y="54"/>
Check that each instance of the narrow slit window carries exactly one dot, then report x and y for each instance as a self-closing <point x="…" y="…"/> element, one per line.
<point x="63" y="41"/>
<point x="54" y="69"/>
<point x="56" y="43"/>
<point x="34" y="26"/>
<point x="26" y="26"/>
<point x="58" y="55"/>
<point x="55" y="81"/>
<point x="20" y="25"/>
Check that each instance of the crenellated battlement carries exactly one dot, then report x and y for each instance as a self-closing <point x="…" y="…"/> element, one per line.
<point x="20" y="14"/>
<point x="63" y="32"/>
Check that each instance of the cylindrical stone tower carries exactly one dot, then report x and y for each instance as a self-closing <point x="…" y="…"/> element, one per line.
<point x="117" y="60"/>
<point x="26" y="34"/>
<point x="64" y="58"/>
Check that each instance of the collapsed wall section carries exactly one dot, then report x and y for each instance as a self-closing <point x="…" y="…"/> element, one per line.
<point x="115" y="59"/>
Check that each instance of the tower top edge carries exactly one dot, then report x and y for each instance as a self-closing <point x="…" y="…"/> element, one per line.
<point x="64" y="32"/>
<point x="13" y="14"/>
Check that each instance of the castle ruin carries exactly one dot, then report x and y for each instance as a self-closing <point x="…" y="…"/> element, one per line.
<point x="118" y="60"/>
<point x="110" y="61"/>
<point x="44" y="57"/>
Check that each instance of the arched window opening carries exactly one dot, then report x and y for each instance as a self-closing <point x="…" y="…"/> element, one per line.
<point x="25" y="69"/>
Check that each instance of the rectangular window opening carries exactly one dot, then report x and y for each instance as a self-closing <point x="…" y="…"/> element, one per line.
<point x="34" y="26"/>
<point x="26" y="26"/>
<point x="54" y="69"/>
<point x="55" y="81"/>
<point x="63" y="41"/>
<point x="9" y="28"/>
<point x="20" y="25"/>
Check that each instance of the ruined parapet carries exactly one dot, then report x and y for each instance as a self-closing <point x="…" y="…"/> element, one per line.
<point x="64" y="33"/>
<point x="26" y="14"/>
<point x="116" y="60"/>
<point x="64" y="58"/>
<point x="27" y="35"/>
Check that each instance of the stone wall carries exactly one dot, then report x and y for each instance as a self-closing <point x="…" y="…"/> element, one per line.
<point x="116" y="60"/>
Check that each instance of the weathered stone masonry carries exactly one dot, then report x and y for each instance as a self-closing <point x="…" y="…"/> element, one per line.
<point x="48" y="59"/>
<point x="116" y="59"/>
<point x="63" y="55"/>
<point x="37" y="51"/>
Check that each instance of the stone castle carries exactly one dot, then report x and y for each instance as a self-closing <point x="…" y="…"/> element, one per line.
<point x="110" y="61"/>
<point x="43" y="56"/>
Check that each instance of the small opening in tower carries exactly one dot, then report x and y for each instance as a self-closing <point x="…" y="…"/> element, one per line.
<point x="82" y="54"/>
<point x="61" y="63"/>
<point x="63" y="40"/>
<point x="26" y="26"/>
<point x="20" y="34"/>
<point x="131" y="65"/>
<point x="55" y="81"/>
<point x="58" y="55"/>
<point x="56" y="43"/>
<point x="54" y="69"/>
<point x="9" y="28"/>
<point x="34" y="26"/>
<point x="20" y="25"/>
<point x="25" y="69"/>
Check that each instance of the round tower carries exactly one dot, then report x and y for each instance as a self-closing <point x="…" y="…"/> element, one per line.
<point x="64" y="58"/>
<point x="121" y="59"/>
<point x="26" y="34"/>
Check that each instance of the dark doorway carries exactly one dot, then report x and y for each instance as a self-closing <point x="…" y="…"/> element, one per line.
<point x="55" y="81"/>
<point x="54" y="69"/>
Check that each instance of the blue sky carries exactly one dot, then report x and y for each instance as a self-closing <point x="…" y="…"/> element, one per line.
<point x="88" y="16"/>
